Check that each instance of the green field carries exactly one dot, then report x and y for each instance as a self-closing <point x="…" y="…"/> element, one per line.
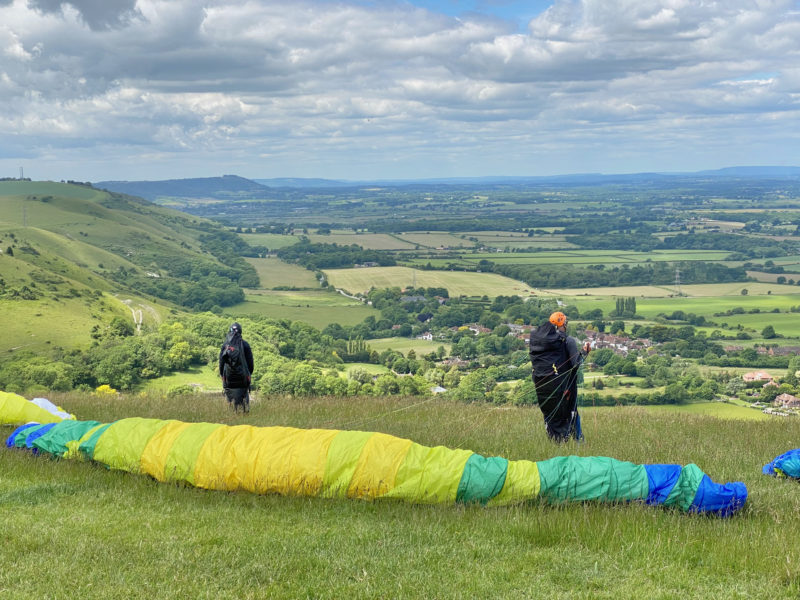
<point x="420" y="347"/>
<point x="368" y="367"/>
<point x="708" y="305"/>
<point x="74" y="529"/>
<point x="315" y="307"/>
<point x="457" y="283"/>
<point x="785" y="324"/>
<point x="203" y="379"/>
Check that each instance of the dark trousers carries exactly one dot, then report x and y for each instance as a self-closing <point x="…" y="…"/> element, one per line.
<point x="557" y="396"/>
<point x="238" y="398"/>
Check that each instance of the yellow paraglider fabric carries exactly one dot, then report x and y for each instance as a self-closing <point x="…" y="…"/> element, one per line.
<point x="430" y="475"/>
<point x="342" y="460"/>
<point x="15" y="409"/>
<point x="522" y="483"/>
<point x="279" y="460"/>
<point x="182" y="457"/>
<point x="377" y="467"/>
<point x="156" y="452"/>
<point x="122" y="444"/>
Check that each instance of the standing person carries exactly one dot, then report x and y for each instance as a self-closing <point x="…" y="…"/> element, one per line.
<point x="235" y="368"/>
<point x="555" y="361"/>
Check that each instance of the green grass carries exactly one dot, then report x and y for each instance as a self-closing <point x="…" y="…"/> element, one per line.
<point x="72" y="529"/>
<point x="41" y="325"/>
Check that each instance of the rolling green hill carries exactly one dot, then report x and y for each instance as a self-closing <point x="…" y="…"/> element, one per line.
<point x="73" y="257"/>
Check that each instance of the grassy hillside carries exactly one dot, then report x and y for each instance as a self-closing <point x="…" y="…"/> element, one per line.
<point x="73" y="257"/>
<point x="103" y="533"/>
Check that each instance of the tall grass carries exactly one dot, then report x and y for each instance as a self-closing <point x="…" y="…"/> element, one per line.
<point x="78" y="530"/>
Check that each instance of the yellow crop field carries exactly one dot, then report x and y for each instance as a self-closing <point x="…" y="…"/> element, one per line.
<point x="273" y="272"/>
<point x="457" y="283"/>
<point x="437" y="239"/>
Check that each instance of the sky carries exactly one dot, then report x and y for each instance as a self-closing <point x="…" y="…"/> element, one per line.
<point x="94" y="90"/>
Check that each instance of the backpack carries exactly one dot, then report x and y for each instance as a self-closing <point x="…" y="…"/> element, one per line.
<point x="233" y="356"/>
<point x="548" y="351"/>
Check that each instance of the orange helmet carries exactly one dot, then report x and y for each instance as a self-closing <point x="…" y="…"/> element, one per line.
<point x="558" y="319"/>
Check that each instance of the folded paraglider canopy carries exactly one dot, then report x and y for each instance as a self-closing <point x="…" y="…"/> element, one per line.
<point x="366" y="465"/>
<point x="785" y="465"/>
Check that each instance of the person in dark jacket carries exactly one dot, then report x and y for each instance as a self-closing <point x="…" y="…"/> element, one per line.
<point x="236" y="369"/>
<point x="555" y="359"/>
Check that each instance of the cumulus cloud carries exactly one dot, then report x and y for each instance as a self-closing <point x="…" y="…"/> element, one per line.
<point x="392" y="90"/>
<point x="97" y="14"/>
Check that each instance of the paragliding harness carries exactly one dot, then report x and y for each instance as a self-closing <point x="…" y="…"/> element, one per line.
<point x="548" y="350"/>
<point x="235" y="370"/>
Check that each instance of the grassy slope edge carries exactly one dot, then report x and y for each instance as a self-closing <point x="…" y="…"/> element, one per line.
<point x="128" y="536"/>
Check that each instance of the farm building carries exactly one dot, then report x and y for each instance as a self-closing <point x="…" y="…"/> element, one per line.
<point x="786" y="401"/>
<point x="756" y="376"/>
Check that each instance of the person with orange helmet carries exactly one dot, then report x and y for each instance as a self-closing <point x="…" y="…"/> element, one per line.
<point x="555" y="359"/>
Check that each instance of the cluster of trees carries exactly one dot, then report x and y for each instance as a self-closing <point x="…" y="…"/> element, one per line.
<point x="748" y="246"/>
<point x="295" y="358"/>
<point x="316" y="256"/>
<point x="198" y="292"/>
<point x="660" y="273"/>
<point x="625" y="308"/>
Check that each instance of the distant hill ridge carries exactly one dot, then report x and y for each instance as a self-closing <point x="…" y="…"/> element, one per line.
<point x="233" y="187"/>
<point x="227" y="187"/>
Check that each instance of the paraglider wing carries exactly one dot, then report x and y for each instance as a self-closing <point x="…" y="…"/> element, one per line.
<point x="366" y="465"/>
